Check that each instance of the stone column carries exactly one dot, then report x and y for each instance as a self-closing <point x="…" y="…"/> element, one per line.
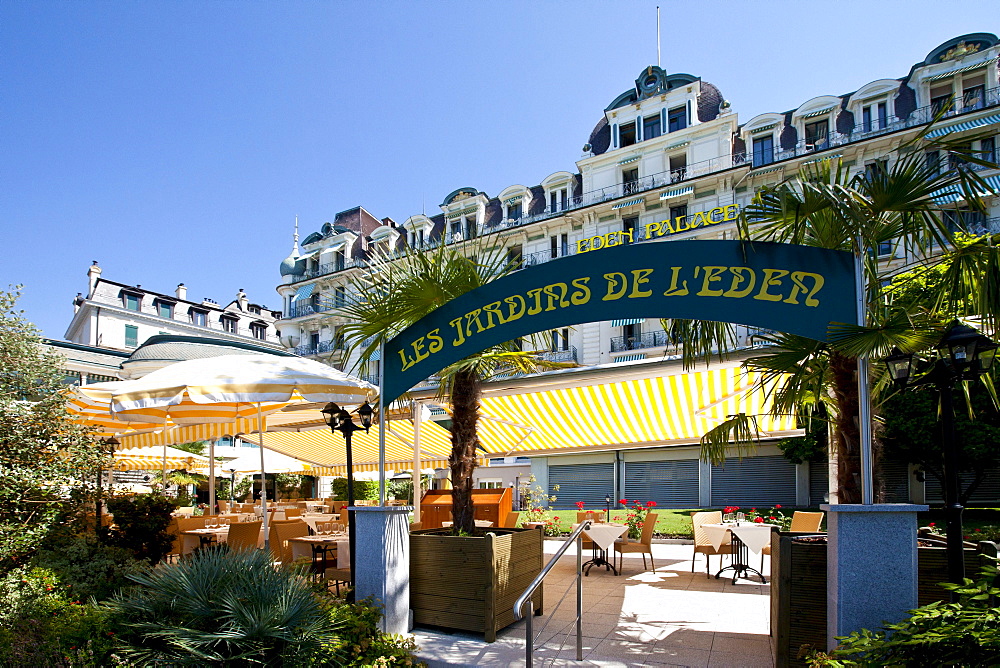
<point x="382" y="571"/>
<point x="871" y="565"/>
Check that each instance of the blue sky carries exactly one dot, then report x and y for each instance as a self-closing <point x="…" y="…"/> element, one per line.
<point x="177" y="141"/>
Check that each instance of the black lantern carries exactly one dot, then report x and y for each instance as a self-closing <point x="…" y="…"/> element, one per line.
<point x="365" y="412"/>
<point x="607" y="505"/>
<point x="232" y="487"/>
<point x="900" y="366"/>
<point x="963" y="345"/>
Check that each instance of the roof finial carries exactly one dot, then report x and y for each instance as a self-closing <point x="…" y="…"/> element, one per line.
<point x="658" y="36"/>
<point x="295" y="238"/>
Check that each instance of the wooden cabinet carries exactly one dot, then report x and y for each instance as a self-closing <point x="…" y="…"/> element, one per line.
<point x="487" y="504"/>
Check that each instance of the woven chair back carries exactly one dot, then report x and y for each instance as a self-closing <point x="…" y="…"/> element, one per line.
<point x="243" y="536"/>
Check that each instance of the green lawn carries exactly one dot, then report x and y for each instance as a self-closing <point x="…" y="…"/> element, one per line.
<point x="674" y="522"/>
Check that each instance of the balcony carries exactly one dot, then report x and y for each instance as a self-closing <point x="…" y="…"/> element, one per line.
<point x="645" y="340"/>
<point x="321" y="348"/>
<point x="566" y="356"/>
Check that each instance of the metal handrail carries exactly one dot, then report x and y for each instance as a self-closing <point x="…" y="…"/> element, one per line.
<point x="529" y="648"/>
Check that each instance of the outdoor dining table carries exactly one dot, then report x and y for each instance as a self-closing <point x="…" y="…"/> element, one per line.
<point x="603" y="537"/>
<point x="747" y="537"/>
<point x="479" y="523"/>
<point x="317" y="548"/>
<point x="206" y="537"/>
<point x="312" y="518"/>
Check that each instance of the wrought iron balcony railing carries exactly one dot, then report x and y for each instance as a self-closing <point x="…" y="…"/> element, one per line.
<point x="568" y="355"/>
<point x="640" y="341"/>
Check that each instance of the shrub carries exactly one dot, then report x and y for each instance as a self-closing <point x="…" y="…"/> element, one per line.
<point x="43" y="623"/>
<point x="360" y="642"/>
<point x="220" y="607"/>
<point x="141" y="525"/>
<point x="966" y="633"/>
<point x="364" y="490"/>
<point x="86" y="569"/>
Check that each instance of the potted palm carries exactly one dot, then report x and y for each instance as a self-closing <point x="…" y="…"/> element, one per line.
<point x="462" y="577"/>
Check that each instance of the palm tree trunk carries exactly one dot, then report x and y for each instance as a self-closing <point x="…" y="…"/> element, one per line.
<point x="847" y="435"/>
<point x="465" y="395"/>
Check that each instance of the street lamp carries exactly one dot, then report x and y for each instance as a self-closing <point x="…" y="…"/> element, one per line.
<point x="338" y="419"/>
<point x="109" y="443"/>
<point x="963" y="354"/>
<point x="607" y="505"/>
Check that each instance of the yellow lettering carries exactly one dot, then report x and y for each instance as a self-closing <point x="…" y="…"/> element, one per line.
<point x="437" y="343"/>
<point x="473" y="317"/>
<point x="550" y="291"/>
<point x="700" y="220"/>
<point x="407" y="363"/>
<point x="680" y="225"/>
<point x="594" y="241"/>
<point x="492" y="310"/>
<point x="614" y="291"/>
<point x="771" y="277"/>
<point x="741" y="275"/>
<point x="582" y="293"/>
<point x="731" y="212"/>
<point x="639" y="277"/>
<point x="651" y="228"/>
<point x="711" y="276"/>
<point x="611" y="239"/>
<point x="797" y="277"/>
<point x="676" y="290"/>
<point x="581" y="245"/>
<point x="459" y="330"/>
<point x="516" y="311"/>
<point x="711" y="215"/>
<point x="535" y="294"/>
<point x="628" y="233"/>
<point x="418" y="350"/>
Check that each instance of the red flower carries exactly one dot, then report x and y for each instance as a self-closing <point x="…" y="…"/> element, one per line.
<point x="932" y="524"/>
<point x="650" y="504"/>
<point x="579" y="505"/>
<point x="772" y="517"/>
<point x="777" y="505"/>
<point x="624" y="502"/>
<point x="753" y="510"/>
<point x="759" y="519"/>
<point x="979" y="530"/>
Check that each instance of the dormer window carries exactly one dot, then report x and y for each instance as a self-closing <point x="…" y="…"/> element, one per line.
<point x="974" y="93"/>
<point x="258" y="330"/>
<point x="651" y="127"/>
<point x="763" y="150"/>
<point x="164" y="309"/>
<point x="229" y="323"/>
<point x="558" y="199"/>
<point x="132" y="301"/>
<point x="514" y="211"/>
<point x="626" y="134"/>
<point x="198" y="317"/>
<point x="677" y="119"/>
<point x="874" y="116"/>
<point x="816" y="134"/>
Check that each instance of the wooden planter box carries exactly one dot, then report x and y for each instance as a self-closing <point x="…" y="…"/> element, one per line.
<point x="798" y="591"/>
<point x="470" y="583"/>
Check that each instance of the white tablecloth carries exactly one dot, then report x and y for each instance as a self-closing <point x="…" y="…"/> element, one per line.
<point x="604" y="535"/>
<point x="302" y="547"/>
<point x="754" y="535"/>
<point x="312" y="518"/>
<point x="479" y="523"/>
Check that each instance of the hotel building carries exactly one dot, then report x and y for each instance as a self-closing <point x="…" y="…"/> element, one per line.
<point x="668" y="160"/>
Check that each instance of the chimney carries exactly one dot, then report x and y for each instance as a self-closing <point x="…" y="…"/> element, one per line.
<point x="93" y="274"/>
<point x="241" y="300"/>
<point x="77" y="301"/>
<point x="182" y="292"/>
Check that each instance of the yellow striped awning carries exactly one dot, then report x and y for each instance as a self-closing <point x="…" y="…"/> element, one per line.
<point x="674" y="409"/>
<point x="151" y="459"/>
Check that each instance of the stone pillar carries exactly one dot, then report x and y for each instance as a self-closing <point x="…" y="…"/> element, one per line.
<point x="871" y="565"/>
<point x="382" y="571"/>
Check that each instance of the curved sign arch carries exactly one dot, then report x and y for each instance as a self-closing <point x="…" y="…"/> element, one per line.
<point x="795" y="289"/>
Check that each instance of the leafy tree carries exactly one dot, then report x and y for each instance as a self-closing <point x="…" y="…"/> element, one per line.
<point x="141" y="525"/>
<point x="397" y="292"/>
<point x="44" y="457"/>
<point x="825" y="206"/>
<point x="912" y="434"/>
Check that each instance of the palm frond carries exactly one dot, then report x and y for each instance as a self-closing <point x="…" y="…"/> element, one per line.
<point x="738" y="435"/>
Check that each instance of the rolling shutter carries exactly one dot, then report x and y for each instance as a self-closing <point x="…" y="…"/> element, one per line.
<point x="987" y="492"/>
<point x="896" y="478"/>
<point x="754" y="481"/>
<point x="819" y="482"/>
<point x="672" y="484"/>
<point x="589" y="483"/>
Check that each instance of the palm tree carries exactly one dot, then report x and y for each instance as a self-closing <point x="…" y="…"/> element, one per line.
<point x="825" y="206"/>
<point x="399" y="289"/>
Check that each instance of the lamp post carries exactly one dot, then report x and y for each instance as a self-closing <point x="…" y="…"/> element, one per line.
<point x="232" y="487"/>
<point x="607" y="505"/>
<point x="109" y="443"/>
<point x="963" y="353"/>
<point x="340" y="420"/>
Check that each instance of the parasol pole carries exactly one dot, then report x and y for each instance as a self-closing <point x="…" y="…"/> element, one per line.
<point x="164" y="467"/>
<point x="381" y="424"/>
<point x="263" y="476"/>
<point x="211" y="476"/>
<point x="418" y="410"/>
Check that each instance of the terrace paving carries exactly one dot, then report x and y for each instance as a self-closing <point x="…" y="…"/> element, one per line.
<point x="668" y="618"/>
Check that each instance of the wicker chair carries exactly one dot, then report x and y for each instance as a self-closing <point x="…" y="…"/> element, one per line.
<point x="510" y="521"/>
<point x="280" y="533"/>
<point x="186" y="524"/>
<point x="702" y="545"/>
<point x="291" y="513"/>
<point x="643" y="547"/>
<point x="802" y="521"/>
<point x="581" y="517"/>
<point x="244" y="536"/>
<point x="223" y="506"/>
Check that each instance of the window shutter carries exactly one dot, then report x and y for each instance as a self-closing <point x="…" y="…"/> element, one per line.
<point x="614" y="134"/>
<point x="672" y="484"/>
<point x="754" y="481"/>
<point x="689" y="112"/>
<point x="581" y="482"/>
<point x="638" y="128"/>
<point x="663" y="121"/>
